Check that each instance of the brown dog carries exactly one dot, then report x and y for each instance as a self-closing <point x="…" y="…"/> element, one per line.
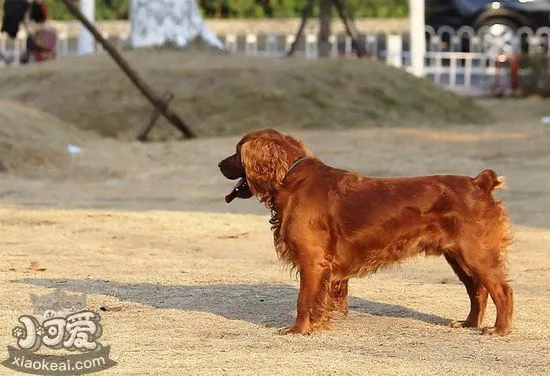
<point x="332" y="225"/>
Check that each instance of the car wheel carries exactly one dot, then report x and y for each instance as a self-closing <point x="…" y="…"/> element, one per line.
<point x="498" y="36"/>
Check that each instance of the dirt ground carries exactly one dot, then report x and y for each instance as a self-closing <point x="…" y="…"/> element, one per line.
<point x="193" y="286"/>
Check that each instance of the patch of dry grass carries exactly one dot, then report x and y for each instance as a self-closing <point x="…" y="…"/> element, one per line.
<point x="222" y="94"/>
<point x="31" y="139"/>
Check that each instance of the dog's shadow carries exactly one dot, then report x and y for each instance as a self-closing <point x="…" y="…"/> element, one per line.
<point x="266" y="305"/>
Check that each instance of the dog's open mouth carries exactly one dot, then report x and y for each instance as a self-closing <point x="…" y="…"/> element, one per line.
<point x="241" y="190"/>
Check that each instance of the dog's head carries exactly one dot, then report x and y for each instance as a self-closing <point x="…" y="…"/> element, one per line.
<point x="261" y="161"/>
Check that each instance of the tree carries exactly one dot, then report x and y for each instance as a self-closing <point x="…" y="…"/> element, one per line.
<point x="119" y="9"/>
<point x="157" y="22"/>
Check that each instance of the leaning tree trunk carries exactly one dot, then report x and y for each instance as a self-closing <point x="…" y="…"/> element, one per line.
<point x="325" y="18"/>
<point x="158" y="22"/>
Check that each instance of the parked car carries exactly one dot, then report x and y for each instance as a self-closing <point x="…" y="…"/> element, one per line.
<point x="499" y="20"/>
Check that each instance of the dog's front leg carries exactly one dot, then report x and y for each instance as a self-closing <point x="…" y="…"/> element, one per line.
<point x="312" y="299"/>
<point x="339" y="296"/>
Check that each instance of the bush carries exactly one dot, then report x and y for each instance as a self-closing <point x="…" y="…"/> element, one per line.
<point x="535" y="75"/>
<point x="105" y="10"/>
<point x="118" y="9"/>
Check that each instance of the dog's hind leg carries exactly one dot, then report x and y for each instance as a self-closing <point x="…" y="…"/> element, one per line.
<point x="476" y="291"/>
<point x="503" y="297"/>
<point x="488" y="266"/>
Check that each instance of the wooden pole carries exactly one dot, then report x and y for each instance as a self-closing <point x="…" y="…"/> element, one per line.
<point x="306" y="12"/>
<point x="347" y="19"/>
<point x="144" y="132"/>
<point x="349" y="25"/>
<point x="157" y="102"/>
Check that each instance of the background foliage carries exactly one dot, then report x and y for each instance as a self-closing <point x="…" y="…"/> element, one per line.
<point x="118" y="9"/>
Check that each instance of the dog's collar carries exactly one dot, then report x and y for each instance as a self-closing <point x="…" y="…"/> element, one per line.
<point x="292" y="167"/>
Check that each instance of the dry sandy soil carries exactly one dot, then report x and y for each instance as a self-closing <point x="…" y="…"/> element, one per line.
<point x="193" y="286"/>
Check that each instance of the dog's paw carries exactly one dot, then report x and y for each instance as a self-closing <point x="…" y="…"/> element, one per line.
<point x="494" y="331"/>
<point x="293" y="329"/>
<point x="463" y="324"/>
<point x="344" y="309"/>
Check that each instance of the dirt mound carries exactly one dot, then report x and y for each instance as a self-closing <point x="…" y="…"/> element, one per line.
<point x="31" y="139"/>
<point x="223" y="94"/>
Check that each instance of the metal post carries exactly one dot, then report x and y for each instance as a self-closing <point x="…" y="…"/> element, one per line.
<point x="86" y="42"/>
<point x="418" y="38"/>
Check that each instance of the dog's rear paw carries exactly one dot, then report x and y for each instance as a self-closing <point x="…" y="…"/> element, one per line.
<point x="293" y="329"/>
<point x="494" y="331"/>
<point x="463" y="324"/>
<point x="344" y="310"/>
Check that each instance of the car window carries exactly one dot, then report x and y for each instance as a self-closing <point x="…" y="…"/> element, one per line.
<point x="470" y="6"/>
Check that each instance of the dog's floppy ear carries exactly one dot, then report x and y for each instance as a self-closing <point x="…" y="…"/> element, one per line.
<point x="265" y="164"/>
<point x="266" y="156"/>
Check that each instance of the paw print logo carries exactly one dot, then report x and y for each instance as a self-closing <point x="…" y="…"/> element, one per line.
<point x="18" y="332"/>
<point x="40" y="331"/>
<point x="49" y="314"/>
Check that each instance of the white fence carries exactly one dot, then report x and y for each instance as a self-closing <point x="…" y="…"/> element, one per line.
<point x="455" y="59"/>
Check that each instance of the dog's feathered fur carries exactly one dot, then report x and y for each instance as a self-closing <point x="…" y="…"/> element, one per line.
<point x="332" y="225"/>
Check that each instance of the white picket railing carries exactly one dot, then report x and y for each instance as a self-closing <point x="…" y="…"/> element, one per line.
<point x="445" y="63"/>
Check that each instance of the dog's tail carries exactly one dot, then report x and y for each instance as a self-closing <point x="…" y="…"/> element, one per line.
<point x="488" y="180"/>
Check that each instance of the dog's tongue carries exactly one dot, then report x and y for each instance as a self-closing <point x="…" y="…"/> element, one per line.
<point x="231" y="195"/>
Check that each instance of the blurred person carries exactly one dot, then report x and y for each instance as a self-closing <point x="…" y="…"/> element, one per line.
<point x="40" y="44"/>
